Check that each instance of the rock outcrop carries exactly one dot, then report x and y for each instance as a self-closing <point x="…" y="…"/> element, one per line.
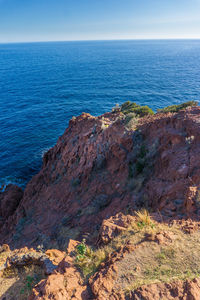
<point x="98" y="168"/>
<point x="111" y="227"/>
<point x="65" y="283"/>
<point x="90" y="184"/>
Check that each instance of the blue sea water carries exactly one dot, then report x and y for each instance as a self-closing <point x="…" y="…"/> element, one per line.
<point x="42" y="85"/>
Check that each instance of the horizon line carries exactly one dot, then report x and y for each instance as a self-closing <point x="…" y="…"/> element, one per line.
<point x="100" y="40"/>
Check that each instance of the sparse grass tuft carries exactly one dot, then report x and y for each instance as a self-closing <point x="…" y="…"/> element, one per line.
<point x="18" y="282"/>
<point x="153" y="263"/>
<point x="149" y="263"/>
<point x="144" y="219"/>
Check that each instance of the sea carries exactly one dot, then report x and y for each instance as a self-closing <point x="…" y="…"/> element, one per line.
<point x="42" y="85"/>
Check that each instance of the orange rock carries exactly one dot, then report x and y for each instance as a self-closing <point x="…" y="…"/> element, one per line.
<point x="4" y="248"/>
<point x="188" y="225"/>
<point x="102" y="283"/>
<point x="113" y="226"/>
<point x="176" y="290"/>
<point x="72" y="246"/>
<point x="51" y="288"/>
<point x="65" y="283"/>
<point x="55" y="255"/>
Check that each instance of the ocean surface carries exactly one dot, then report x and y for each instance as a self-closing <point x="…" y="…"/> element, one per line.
<point x="42" y="85"/>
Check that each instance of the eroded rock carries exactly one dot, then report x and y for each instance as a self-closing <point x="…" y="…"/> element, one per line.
<point x="9" y="200"/>
<point x="111" y="227"/>
<point x="65" y="283"/>
<point x="22" y="257"/>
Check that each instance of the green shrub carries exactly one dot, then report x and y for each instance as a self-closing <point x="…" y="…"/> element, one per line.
<point x="176" y="108"/>
<point x="81" y="250"/>
<point x="87" y="260"/>
<point x="128" y="105"/>
<point x="143" y="111"/>
<point x="139" y="111"/>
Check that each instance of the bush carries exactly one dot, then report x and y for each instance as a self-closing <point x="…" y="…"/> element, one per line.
<point x="143" y="111"/>
<point x="128" y="105"/>
<point x="81" y="250"/>
<point x="176" y="108"/>
<point x="87" y="260"/>
<point x="140" y="111"/>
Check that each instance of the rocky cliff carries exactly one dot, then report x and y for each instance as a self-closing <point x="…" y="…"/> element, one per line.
<point x="102" y="170"/>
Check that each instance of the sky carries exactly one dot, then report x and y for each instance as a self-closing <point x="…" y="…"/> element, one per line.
<point x="64" y="20"/>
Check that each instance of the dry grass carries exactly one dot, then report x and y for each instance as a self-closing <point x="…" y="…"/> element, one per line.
<point x="153" y="263"/>
<point x="91" y="261"/>
<point x="143" y="218"/>
<point x="135" y="233"/>
<point x="150" y="262"/>
<point x="19" y="281"/>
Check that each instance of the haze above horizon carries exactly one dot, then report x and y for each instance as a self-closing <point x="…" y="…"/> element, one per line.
<point x="64" y="20"/>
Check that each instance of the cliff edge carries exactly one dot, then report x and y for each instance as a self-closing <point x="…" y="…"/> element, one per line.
<point x="93" y="182"/>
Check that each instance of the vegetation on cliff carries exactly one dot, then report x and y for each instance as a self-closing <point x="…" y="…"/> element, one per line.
<point x="176" y="108"/>
<point x="139" y="111"/>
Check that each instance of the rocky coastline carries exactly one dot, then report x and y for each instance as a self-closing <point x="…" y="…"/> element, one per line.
<point x="116" y="193"/>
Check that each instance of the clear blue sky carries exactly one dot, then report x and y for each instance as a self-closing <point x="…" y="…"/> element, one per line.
<point x="54" y="20"/>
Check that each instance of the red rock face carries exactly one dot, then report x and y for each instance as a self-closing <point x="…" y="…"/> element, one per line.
<point x="173" y="186"/>
<point x="9" y="200"/>
<point x="98" y="169"/>
<point x="79" y="184"/>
